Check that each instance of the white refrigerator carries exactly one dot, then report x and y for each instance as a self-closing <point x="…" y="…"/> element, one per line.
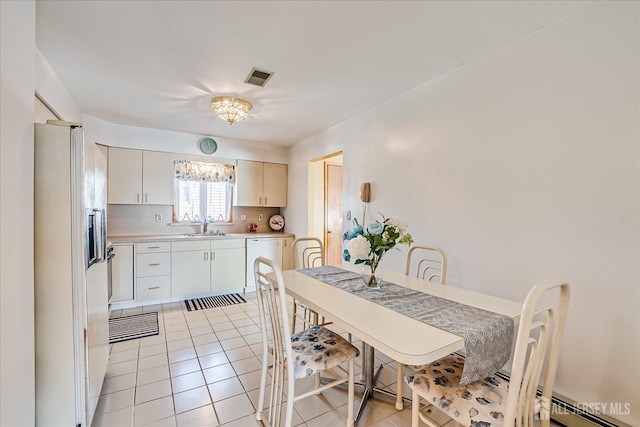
<point x="71" y="302"/>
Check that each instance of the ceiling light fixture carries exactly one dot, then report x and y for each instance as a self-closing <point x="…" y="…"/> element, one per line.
<point x="231" y="109"/>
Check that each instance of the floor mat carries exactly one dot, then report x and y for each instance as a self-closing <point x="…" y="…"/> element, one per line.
<point x="215" y="301"/>
<point x="132" y="327"/>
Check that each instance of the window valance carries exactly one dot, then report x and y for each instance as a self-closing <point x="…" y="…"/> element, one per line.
<point x="187" y="170"/>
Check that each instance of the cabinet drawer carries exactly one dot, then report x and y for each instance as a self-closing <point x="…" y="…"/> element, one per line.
<point x="143" y="248"/>
<point x="195" y="245"/>
<point x="152" y="288"/>
<point x="228" y="243"/>
<point x="153" y="264"/>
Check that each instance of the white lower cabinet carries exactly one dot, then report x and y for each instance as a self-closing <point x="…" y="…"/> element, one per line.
<point x="122" y="273"/>
<point x="207" y="266"/>
<point x="153" y="271"/>
<point x="191" y="269"/>
<point x="287" y="254"/>
<point x="228" y="268"/>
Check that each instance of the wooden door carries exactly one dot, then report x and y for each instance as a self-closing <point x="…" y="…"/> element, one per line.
<point x="333" y="213"/>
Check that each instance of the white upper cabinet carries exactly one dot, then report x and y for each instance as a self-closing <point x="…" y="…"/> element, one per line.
<point x="140" y="177"/>
<point x="124" y="176"/>
<point x="249" y="177"/>
<point x="157" y="177"/>
<point x="274" y="187"/>
<point x="261" y="184"/>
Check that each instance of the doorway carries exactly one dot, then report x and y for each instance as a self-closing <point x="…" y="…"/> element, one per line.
<point x="325" y="204"/>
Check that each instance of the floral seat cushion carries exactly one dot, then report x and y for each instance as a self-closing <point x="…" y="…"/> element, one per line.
<point x="479" y="404"/>
<point x="317" y="349"/>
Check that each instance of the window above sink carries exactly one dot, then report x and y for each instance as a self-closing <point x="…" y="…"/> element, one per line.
<point x="203" y="192"/>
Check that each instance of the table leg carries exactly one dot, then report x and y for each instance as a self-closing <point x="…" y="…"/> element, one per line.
<point x="371" y="376"/>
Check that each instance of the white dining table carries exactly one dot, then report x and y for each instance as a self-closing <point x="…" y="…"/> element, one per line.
<point x="402" y="338"/>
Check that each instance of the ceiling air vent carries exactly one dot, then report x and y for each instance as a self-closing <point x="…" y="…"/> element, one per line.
<point x="258" y="77"/>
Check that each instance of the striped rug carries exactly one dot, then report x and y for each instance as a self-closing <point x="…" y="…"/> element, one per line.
<point x="215" y="301"/>
<point x="132" y="327"/>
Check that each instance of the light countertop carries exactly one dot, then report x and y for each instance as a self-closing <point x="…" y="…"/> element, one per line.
<point x="183" y="237"/>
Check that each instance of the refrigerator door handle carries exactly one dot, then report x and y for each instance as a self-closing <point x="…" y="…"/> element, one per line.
<point x="102" y="235"/>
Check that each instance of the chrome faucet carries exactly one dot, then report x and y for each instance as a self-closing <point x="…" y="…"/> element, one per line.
<point x="205" y="226"/>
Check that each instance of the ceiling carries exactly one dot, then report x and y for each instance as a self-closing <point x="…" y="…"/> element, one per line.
<point x="157" y="64"/>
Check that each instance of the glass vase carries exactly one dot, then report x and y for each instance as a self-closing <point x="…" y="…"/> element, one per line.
<point x="372" y="279"/>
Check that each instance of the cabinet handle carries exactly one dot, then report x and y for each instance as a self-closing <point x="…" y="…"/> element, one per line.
<point x="260" y="201"/>
<point x="137" y="197"/>
<point x="155" y="287"/>
<point x="153" y="247"/>
<point x="213" y="256"/>
<point x="265" y="201"/>
<point x="206" y="256"/>
<point x="145" y="197"/>
<point x="153" y="265"/>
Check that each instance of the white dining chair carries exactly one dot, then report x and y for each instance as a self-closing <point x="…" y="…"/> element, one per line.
<point x="308" y="252"/>
<point x="294" y="356"/>
<point x="428" y="263"/>
<point x="493" y="402"/>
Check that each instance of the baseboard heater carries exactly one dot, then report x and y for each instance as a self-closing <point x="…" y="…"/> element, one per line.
<point x="569" y="414"/>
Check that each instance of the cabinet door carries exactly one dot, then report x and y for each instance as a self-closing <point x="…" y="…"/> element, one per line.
<point x="124" y="176"/>
<point x="227" y="269"/>
<point x="157" y="178"/>
<point x="122" y="273"/>
<point x="190" y="273"/>
<point x="287" y="254"/>
<point x="249" y="177"/>
<point x="275" y="185"/>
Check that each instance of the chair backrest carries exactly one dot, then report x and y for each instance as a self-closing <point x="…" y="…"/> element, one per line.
<point x="536" y="352"/>
<point x="429" y="262"/>
<point x="307" y="252"/>
<point x="274" y="322"/>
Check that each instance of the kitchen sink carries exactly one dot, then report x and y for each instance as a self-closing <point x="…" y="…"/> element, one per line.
<point x="213" y="234"/>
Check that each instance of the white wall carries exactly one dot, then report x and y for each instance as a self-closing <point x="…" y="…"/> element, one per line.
<point x="115" y="135"/>
<point x="52" y="90"/>
<point x="523" y="165"/>
<point x="17" y="51"/>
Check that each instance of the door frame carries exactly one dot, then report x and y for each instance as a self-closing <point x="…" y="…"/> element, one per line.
<point x="316" y="212"/>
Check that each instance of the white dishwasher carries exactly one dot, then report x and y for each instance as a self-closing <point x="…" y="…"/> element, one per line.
<point x="267" y="247"/>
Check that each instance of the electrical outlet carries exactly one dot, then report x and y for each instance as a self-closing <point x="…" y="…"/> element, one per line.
<point x="158" y="217"/>
<point x="243" y="218"/>
<point x="348" y="215"/>
<point x="260" y="217"/>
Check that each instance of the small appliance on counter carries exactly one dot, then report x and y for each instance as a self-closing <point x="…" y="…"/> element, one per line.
<point x="252" y="228"/>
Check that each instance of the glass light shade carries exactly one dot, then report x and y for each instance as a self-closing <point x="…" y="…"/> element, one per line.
<point x="231" y="109"/>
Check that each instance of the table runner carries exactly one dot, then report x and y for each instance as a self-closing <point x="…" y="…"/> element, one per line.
<point x="488" y="336"/>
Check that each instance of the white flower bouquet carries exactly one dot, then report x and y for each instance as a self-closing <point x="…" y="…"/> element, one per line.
<point x="367" y="245"/>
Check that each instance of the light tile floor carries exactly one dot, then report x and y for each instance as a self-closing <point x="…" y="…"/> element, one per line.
<point x="203" y="369"/>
